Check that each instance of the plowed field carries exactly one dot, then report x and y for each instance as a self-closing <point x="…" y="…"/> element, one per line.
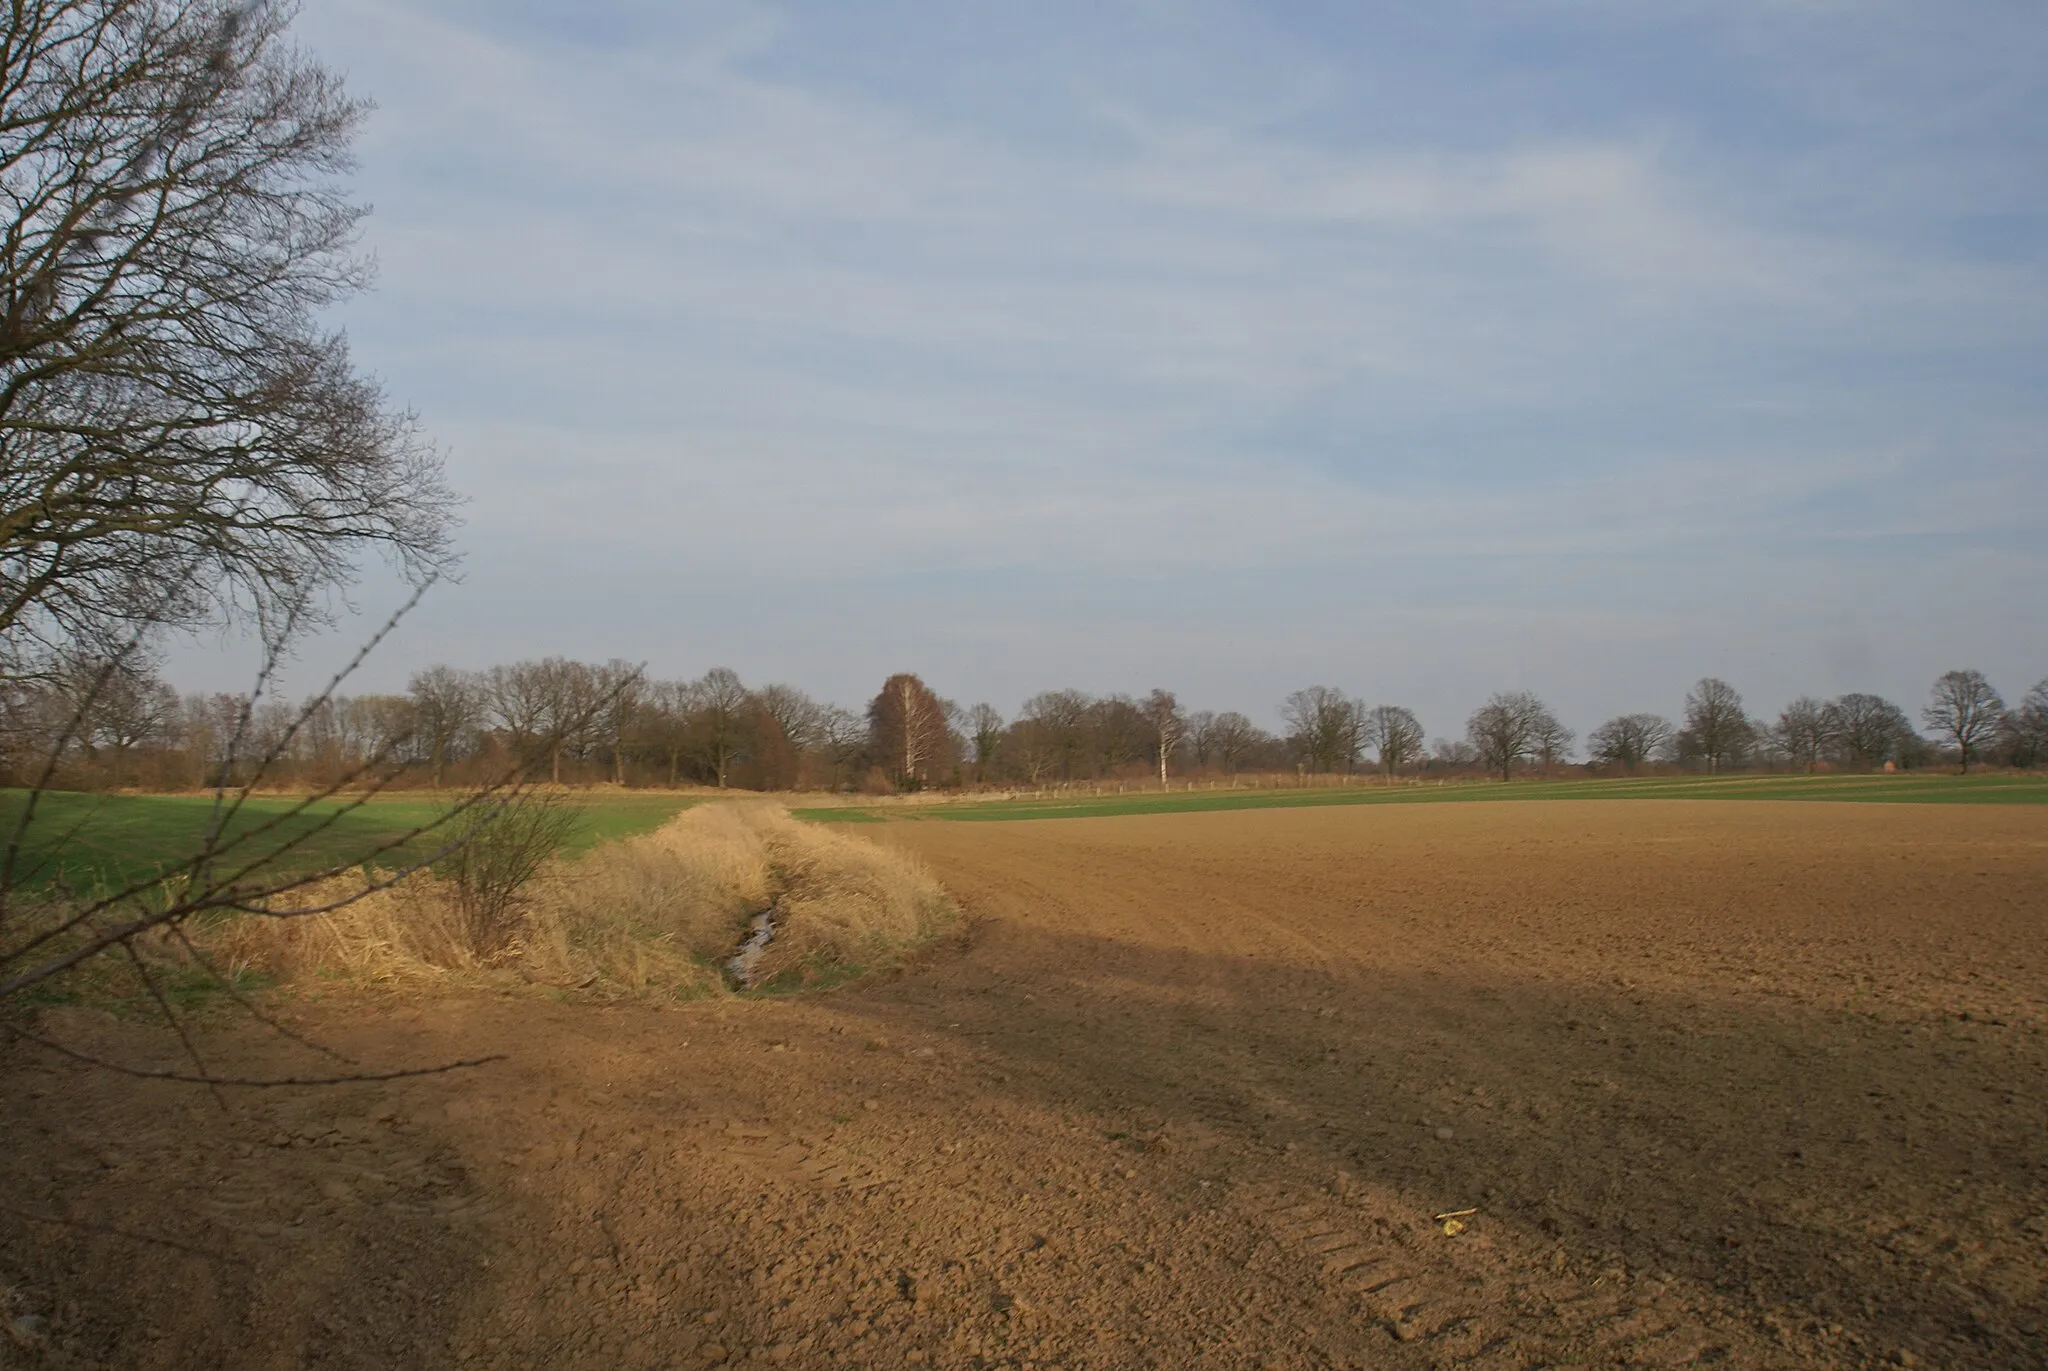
<point x="1759" y="1085"/>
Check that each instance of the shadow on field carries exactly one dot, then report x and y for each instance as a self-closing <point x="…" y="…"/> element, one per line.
<point x="1816" y="1167"/>
<point x="588" y="1203"/>
<point x="283" y="1225"/>
<point x="358" y="1225"/>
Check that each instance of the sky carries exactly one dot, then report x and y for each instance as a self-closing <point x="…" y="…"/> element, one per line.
<point x="1578" y="346"/>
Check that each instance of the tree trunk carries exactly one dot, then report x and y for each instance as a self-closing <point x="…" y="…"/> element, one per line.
<point x="907" y="704"/>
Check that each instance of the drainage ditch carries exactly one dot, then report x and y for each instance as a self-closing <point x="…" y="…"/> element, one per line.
<point x="743" y="966"/>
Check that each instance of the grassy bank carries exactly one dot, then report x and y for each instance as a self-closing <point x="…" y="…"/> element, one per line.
<point x="1906" y="788"/>
<point x="653" y="914"/>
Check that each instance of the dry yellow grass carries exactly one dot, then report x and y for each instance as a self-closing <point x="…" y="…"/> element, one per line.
<point x="653" y="914"/>
<point x="845" y="902"/>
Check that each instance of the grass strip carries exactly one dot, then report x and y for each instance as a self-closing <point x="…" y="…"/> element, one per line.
<point x="87" y="841"/>
<point x="1912" y="788"/>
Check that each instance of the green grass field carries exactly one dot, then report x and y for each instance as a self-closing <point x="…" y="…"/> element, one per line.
<point x="1897" y="788"/>
<point x="110" y="841"/>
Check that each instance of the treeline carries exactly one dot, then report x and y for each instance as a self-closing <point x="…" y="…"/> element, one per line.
<point x="116" y="722"/>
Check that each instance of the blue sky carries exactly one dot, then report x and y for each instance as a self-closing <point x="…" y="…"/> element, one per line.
<point x="1572" y="345"/>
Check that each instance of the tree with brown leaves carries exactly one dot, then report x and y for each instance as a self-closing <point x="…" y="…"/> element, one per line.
<point x="910" y="730"/>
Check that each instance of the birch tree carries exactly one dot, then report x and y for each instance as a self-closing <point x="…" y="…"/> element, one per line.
<point x="1169" y="726"/>
<point x="910" y="729"/>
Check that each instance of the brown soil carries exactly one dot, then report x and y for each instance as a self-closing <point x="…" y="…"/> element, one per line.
<point x="1752" y="1084"/>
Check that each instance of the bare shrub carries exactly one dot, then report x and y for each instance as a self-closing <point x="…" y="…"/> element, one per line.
<point x="504" y="843"/>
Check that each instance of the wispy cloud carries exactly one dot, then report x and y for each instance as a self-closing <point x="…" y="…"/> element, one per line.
<point x="1571" y="316"/>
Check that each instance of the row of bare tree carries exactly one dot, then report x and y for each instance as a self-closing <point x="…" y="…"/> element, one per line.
<point x="1969" y="723"/>
<point x="576" y="721"/>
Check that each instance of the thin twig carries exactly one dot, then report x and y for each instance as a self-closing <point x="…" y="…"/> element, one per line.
<point x="82" y="1225"/>
<point x="254" y="1083"/>
<point x="249" y="1006"/>
<point x="171" y="1016"/>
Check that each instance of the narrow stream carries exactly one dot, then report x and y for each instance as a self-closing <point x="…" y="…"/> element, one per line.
<point x="740" y="968"/>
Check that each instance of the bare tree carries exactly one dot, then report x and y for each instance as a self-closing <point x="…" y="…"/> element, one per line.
<point x="787" y="737"/>
<point x="448" y="704"/>
<point x="2023" y="738"/>
<point x="1867" y="730"/>
<point x="1324" y="725"/>
<point x="909" y="728"/>
<point x="1762" y="749"/>
<point x="1965" y="710"/>
<point x="719" y="707"/>
<point x="1552" y="742"/>
<point x="1454" y="754"/>
<point x="1201" y="724"/>
<point x="1118" y="733"/>
<point x="1396" y="735"/>
<point x="1509" y="727"/>
<point x="1060" y="719"/>
<point x="515" y="698"/>
<point x="620" y="685"/>
<point x="1030" y="750"/>
<point x="1232" y="737"/>
<point x="985" y="733"/>
<point x="663" y="724"/>
<point x="1169" y="726"/>
<point x="207" y="723"/>
<point x="1716" y="728"/>
<point x="1804" y="731"/>
<point x="121" y="704"/>
<point x="1628" y="741"/>
<point x="550" y="707"/>
<point x="180" y="435"/>
<point x="843" y="737"/>
<point x="386" y="725"/>
<point x="796" y="715"/>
